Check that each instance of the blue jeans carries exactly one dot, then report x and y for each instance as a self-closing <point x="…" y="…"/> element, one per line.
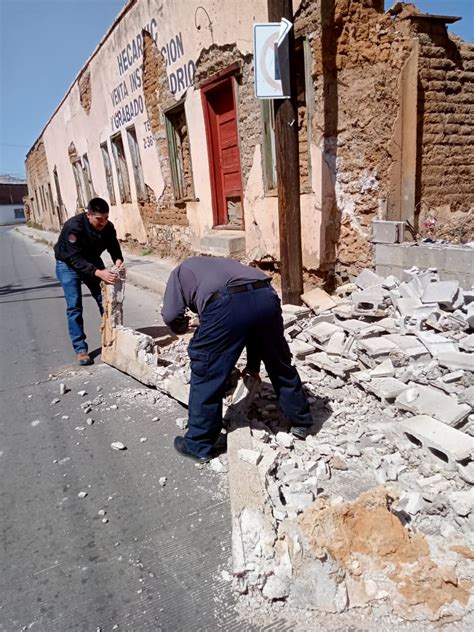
<point x="253" y="319"/>
<point x="71" y="283"/>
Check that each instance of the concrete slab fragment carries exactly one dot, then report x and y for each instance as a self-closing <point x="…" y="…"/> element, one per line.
<point x="369" y="299"/>
<point x="425" y="400"/>
<point x="175" y="388"/>
<point x="336" y="344"/>
<point x="361" y="329"/>
<point x="467" y="343"/>
<point x="410" y="346"/>
<point x="445" y="443"/>
<point x="385" y="369"/>
<point x="300" y="349"/>
<point x="376" y="347"/>
<point x="456" y="360"/>
<point x="323" y="331"/>
<point x="318" y="300"/>
<point x="406" y="306"/>
<point x="300" y="311"/>
<point x="441" y="292"/>
<point x="387" y="232"/>
<point x="435" y="343"/>
<point x="334" y="364"/>
<point x="367" y="279"/>
<point x="385" y="388"/>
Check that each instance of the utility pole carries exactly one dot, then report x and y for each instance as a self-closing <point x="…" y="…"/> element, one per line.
<point x="288" y="171"/>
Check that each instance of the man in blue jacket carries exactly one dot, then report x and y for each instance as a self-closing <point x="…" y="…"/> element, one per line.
<point x="237" y="308"/>
<point x="83" y="239"/>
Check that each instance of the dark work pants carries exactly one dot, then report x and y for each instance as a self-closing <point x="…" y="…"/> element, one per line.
<point x="227" y="325"/>
<point x="71" y="283"/>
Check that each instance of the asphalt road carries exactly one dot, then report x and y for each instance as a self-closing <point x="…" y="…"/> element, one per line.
<point x="154" y="561"/>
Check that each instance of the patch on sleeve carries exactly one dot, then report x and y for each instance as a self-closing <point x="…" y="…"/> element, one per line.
<point x="72" y="238"/>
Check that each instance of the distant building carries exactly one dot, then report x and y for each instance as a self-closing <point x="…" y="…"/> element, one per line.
<point x="162" y="121"/>
<point x="12" y="192"/>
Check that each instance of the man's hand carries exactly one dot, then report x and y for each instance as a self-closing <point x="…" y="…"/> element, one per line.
<point x="107" y="276"/>
<point x="121" y="268"/>
<point x="180" y="326"/>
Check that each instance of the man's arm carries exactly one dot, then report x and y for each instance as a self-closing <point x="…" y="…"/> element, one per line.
<point x="113" y="247"/>
<point x="75" y="259"/>
<point x="174" y="305"/>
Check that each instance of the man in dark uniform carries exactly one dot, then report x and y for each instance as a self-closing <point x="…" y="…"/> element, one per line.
<point x="237" y="307"/>
<point x="83" y="239"/>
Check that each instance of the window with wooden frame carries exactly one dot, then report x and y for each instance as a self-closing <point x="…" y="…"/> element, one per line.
<point x="108" y="173"/>
<point x="269" y="154"/>
<point x="77" y="171"/>
<point x="304" y="99"/>
<point x="121" y="168"/>
<point x="87" y="178"/>
<point x="179" y="150"/>
<point x="136" y="164"/>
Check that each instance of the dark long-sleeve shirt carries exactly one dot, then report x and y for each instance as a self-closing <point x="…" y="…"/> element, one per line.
<point x="80" y="245"/>
<point x="193" y="282"/>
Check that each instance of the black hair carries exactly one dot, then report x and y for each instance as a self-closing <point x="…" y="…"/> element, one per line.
<point x="98" y="205"/>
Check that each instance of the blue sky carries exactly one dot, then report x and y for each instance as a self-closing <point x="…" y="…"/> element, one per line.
<point x="44" y="44"/>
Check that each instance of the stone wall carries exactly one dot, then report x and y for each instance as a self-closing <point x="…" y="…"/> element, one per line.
<point x="41" y="209"/>
<point x="355" y="77"/>
<point x="165" y="221"/>
<point x="446" y="138"/>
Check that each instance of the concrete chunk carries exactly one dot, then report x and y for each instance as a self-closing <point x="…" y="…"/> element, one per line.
<point x="441" y="292"/>
<point x="387" y="232"/>
<point x="175" y="388"/>
<point x="467" y="343"/>
<point x="385" y="388"/>
<point x="336" y="345"/>
<point x="288" y="320"/>
<point x="406" y="306"/>
<point x="451" y="444"/>
<point x="425" y="400"/>
<point x="300" y="311"/>
<point x="253" y="457"/>
<point x="456" y="360"/>
<point x="367" y="278"/>
<point x="409" y="345"/>
<point x="384" y="369"/>
<point x="435" y="343"/>
<point x="369" y="299"/>
<point x="376" y="347"/>
<point x="318" y="300"/>
<point x="361" y="329"/>
<point x="333" y="364"/>
<point x="322" y="332"/>
<point x="300" y="349"/>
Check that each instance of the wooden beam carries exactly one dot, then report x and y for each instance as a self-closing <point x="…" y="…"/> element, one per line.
<point x="288" y="172"/>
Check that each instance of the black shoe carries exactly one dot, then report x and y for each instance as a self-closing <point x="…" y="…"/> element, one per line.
<point x="300" y="432"/>
<point x="84" y="358"/>
<point x="180" y="447"/>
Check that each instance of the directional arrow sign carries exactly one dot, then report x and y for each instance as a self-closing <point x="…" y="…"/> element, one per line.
<point x="271" y="67"/>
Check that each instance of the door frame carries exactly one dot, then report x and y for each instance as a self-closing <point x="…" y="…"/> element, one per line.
<point x="208" y="86"/>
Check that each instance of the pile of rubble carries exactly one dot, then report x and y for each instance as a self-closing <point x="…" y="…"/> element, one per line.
<point x="375" y="507"/>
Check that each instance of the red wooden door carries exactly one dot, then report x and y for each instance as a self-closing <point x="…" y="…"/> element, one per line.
<point x="224" y="154"/>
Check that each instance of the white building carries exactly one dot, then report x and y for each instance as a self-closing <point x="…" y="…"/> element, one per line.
<point x="12" y="192"/>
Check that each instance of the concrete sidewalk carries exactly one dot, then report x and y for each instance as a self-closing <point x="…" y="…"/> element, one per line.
<point x="147" y="272"/>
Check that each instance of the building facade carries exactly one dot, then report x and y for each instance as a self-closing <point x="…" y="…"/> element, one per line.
<point x="163" y="123"/>
<point x="12" y="192"/>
